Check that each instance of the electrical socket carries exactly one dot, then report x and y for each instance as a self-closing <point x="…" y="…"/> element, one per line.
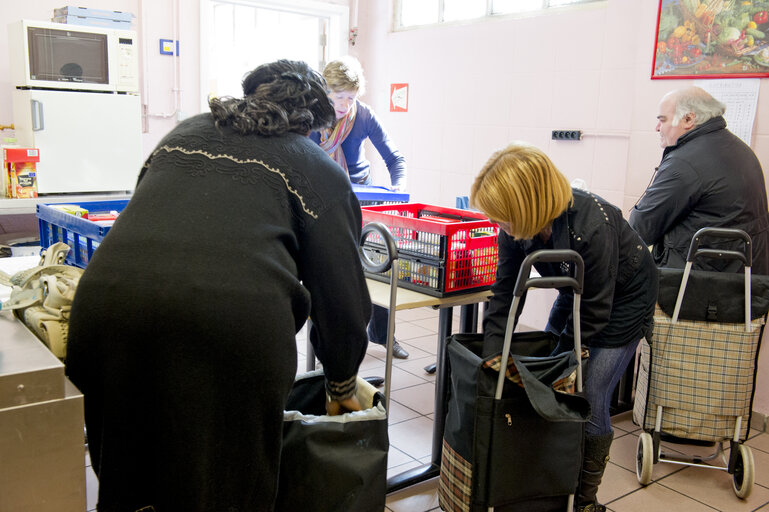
<point x="567" y="134"/>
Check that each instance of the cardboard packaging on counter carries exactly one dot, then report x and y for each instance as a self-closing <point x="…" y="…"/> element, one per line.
<point x="20" y="172"/>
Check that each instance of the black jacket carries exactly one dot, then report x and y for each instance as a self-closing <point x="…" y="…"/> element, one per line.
<point x="710" y="178"/>
<point x="620" y="287"/>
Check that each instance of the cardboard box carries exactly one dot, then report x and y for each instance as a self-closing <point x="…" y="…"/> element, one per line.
<point x="72" y="10"/>
<point x="20" y="172"/>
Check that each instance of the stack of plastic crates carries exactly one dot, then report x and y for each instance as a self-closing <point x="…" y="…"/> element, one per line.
<point x="441" y="251"/>
<point x="81" y="234"/>
<point x="369" y="195"/>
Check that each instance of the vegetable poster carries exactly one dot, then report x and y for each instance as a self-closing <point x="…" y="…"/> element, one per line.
<point x="712" y="39"/>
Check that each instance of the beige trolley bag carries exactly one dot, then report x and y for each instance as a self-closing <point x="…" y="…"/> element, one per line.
<point x="696" y="377"/>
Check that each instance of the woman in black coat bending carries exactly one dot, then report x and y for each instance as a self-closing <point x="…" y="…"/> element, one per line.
<point x="182" y="335"/>
<point x="520" y="189"/>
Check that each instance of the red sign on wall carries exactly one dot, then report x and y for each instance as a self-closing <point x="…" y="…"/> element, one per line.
<point x="399" y="97"/>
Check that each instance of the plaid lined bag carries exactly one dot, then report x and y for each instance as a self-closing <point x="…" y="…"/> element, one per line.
<point x="702" y="373"/>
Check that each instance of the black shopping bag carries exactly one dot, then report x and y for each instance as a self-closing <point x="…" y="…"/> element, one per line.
<point x="712" y="296"/>
<point x="332" y="463"/>
<point x="522" y="452"/>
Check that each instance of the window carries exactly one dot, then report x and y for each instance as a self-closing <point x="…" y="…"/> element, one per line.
<point x="238" y="35"/>
<point x="425" y="12"/>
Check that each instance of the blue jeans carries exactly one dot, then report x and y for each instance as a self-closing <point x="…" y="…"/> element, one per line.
<point x="377" y="326"/>
<point x="604" y="370"/>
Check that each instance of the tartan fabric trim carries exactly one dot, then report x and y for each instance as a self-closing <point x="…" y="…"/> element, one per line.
<point x="566" y="384"/>
<point x="454" y="488"/>
<point x="701" y="373"/>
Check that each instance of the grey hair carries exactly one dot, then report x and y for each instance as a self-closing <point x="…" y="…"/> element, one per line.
<point x="697" y="101"/>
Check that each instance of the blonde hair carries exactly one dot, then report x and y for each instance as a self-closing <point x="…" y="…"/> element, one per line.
<point x="345" y="74"/>
<point x="519" y="185"/>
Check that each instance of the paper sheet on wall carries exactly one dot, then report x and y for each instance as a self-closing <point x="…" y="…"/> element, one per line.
<point x="741" y="98"/>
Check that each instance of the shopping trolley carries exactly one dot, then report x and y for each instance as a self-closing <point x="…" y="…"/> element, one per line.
<point x="696" y="378"/>
<point x="514" y="437"/>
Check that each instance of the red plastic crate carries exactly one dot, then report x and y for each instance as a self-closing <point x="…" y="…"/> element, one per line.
<point x="441" y="251"/>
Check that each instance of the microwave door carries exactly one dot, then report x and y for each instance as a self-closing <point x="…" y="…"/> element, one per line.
<point x="88" y="142"/>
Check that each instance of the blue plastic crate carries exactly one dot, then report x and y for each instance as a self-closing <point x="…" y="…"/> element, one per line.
<point x="82" y="235"/>
<point x="372" y="195"/>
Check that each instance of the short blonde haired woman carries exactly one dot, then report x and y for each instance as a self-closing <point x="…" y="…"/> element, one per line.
<point x="356" y="122"/>
<point x="521" y="189"/>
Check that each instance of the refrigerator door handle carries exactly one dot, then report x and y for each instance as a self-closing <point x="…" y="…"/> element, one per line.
<point x="38" y="120"/>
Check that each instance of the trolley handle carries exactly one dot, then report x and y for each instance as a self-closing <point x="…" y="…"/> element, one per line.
<point x="389" y="243"/>
<point x="368" y="264"/>
<point x="525" y="282"/>
<point x="734" y="234"/>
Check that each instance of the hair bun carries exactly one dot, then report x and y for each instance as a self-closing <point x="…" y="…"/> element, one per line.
<point x="295" y="77"/>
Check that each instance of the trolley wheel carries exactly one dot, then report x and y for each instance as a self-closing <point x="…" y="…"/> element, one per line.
<point x="744" y="472"/>
<point x="644" y="463"/>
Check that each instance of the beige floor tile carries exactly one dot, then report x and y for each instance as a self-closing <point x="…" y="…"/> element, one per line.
<point x="421" y="398"/>
<point x="397" y="470"/>
<point x="396" y="458"/>
<point x="407" y="330"/>
<point x="413" y="437"/>
<point x="428" y="344"/>
<point x="91" y="488"/>
<point x="624" y="422"/>
<point x="616" y="483"/>
<point x="403" y="379"/>
<point x="656" y="498"/>
<point x="761" y="464"/>
<point x="399" y="412"/>
<point x="419" y="497"/>
<point x="714" y="487"/>
<point x="416" y="366"/>
<point x="411" y="315"/>
<point x="379" y="352"/>
<point x="759" y="441"/>
<point x="429" y="324"/>
<point x="623" y="453"/>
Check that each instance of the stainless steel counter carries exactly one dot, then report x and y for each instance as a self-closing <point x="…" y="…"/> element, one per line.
<point x="42" y="451"/>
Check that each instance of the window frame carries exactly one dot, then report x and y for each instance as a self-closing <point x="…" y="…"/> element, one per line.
<point x="398" y="26"/>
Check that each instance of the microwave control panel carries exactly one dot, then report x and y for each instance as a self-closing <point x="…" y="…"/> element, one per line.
<point x="127" y="67"/>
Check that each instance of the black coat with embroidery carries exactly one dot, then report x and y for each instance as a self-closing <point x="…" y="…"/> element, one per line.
<point x="183" y="327"/>
<point x="620" y="287"/>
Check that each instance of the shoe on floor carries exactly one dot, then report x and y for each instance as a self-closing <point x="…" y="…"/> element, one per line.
<point x="398" y="351"/>
<point x="377" y="382"/>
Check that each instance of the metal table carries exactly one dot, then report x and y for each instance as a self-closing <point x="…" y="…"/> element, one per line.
<point x="468" y="321"/>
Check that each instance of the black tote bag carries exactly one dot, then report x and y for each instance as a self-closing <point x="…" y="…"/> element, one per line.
<point x="511" y="456"/>
<point x="512" y="442"/>
<point x="332" y="463"/>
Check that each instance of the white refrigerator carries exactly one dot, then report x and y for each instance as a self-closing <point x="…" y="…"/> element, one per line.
<point x="88" y="141"/>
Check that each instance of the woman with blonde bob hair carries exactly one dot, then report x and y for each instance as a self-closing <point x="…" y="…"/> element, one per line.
<point x="521" y="188"/>
<point x="523" y="191"/>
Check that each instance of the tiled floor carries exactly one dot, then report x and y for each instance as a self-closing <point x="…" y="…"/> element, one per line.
<point x="675" y="488"/>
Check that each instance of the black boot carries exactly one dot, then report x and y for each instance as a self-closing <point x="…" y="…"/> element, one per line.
<point x="593" y="465"/>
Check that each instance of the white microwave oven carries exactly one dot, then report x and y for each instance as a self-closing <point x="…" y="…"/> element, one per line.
<point x="46" y="55"/>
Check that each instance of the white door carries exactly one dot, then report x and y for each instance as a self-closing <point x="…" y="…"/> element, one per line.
<point x="239" y="35"/>
<point x="88" y="141"/>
